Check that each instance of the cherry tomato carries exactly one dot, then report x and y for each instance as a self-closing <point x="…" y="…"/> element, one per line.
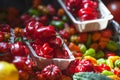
<point x="114" y="7"/>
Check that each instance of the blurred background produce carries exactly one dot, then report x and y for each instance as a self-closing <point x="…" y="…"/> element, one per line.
<point x="99" y="54"/>
<point x="114" y="6"/>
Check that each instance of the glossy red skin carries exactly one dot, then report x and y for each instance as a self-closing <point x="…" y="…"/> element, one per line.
<point x="91" y="4"/>
<point x="84" y="66"/>
<point x="23" y="63"/>
<point x="44" y="32"/>
<point x="79" y="66"/>
<point x="61" y="53"/>
<point x="46" y="51"/>
<point x="73" y="6"/>
<point x="56" y="41"/>
<point x="51" y="72"/>
<point x="18" y="49"/>
<point x="101" y="68"/>
<point x="88" y="13"/>
<point x="71" y="68"/>
<point x="31" y="27"/>
<point x="114" y="7"/>
<point x="4" y="47"/>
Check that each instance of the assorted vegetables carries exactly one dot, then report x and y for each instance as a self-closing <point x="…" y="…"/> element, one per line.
<point x="96" y="53"/>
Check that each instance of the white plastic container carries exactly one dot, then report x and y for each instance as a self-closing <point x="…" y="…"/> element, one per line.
<point x="90" y="25"/>
<point x="43" y="62"/>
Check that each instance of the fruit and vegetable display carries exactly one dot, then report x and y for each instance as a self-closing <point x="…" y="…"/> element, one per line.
<point x="45" y="45"/>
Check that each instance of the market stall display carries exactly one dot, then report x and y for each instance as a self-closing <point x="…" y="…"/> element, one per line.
<point x="45" y="45"/>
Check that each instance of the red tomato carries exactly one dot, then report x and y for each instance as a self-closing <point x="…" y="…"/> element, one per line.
<point x="114" y="7"/>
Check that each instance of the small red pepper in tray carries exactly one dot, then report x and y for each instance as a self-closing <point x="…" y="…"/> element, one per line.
<point x="44" y="32"/>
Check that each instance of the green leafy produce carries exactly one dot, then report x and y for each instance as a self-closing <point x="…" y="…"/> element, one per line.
<point x="89" y="76"/>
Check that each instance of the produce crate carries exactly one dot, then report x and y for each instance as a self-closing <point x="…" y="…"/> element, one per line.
<point x="90" y="25"/>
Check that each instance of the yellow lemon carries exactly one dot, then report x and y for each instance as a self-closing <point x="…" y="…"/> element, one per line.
<point x="8" y="71"/>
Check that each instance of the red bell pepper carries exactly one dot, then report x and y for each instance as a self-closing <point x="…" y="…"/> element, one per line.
<point x="30" y="27"/>
<point x="19" y="49"/>
<point x="44" y="32"/>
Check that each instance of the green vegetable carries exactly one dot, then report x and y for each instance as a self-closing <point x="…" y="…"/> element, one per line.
<point x="101" y="61"/>
<point x="33" y="12"/>
<point x="100" y="54"/>
<point x="58" y="24"/>
<point x="110" y="63"/>
<point x="117" y="63"/>
<point x="89" y="40"/>
<point x="112" y="46"/>
<point x="107" y="73"/>
<point x="82" y="48"/>
<point x="89" y="76"/>
<point x="65" y="18"/>
<point x="90" y="52"/>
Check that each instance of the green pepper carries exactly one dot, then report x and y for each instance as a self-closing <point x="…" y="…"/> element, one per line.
<point x="89" y="40"/>
<point x="112" y="46"/>
<point x="117" y="63"/>
<point x="100" y="54"/>
<point x="58" y="24"/>
<point x="65" y="18"/>
<point x="107" y="73"/>
<point x="101" y="61"/>
<point x="90" y="52"/>
<point x="82" y="48"/>
<point x="33" y="12"/>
